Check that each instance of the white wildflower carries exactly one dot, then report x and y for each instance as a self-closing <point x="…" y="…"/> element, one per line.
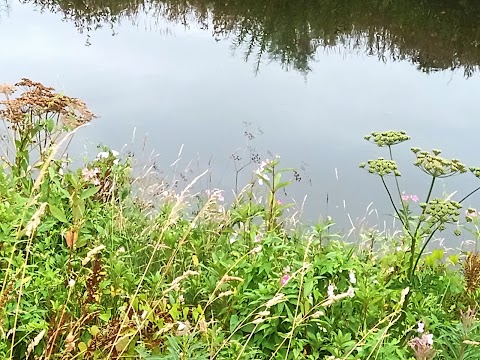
<point x="353" y="279"/>
<point x="257" y="249"/>
<point x="331" y="291"/>
<point x="421" y="327"/>
<point x="351" y="292"/>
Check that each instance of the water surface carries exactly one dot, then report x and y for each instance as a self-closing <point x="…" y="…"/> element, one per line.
<point x="307" y="80"/>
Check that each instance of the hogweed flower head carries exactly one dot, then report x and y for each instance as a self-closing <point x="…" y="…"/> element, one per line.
<point x="433" y="164"/>
<point x="387" y="138"/>
<point x="441" y="211"/>
<point x="475" y="171"/>
<point x="381" y="166"/>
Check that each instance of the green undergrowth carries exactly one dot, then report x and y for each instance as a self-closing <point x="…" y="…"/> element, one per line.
<point x="92" y="270"/>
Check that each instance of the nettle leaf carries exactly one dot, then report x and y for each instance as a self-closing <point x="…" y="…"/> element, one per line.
<point x="57" y="213"/>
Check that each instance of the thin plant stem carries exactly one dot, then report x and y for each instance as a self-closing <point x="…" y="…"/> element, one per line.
<point x="414" y="237"/>
<point x="469" y="194"/>
<point x="169" y="222"/>
<point x="423" y="249"/>
<point x="300" y="291"/>
<point x="394" y="206"/>
<point x="398" y="190"/>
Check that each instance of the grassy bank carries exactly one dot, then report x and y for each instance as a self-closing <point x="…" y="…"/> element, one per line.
<point x="92" y="270"/>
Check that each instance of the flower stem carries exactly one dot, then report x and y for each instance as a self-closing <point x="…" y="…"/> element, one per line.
<point x="394" y="206"/>
<point x="469" y="194"/>
<point x="423" y="248"/>
<point x="414" y="237"/>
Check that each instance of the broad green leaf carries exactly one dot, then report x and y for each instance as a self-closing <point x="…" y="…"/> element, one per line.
<point x="57" y="213"/>
<point x="106" y="315"/>
<point x="89" y="192"/>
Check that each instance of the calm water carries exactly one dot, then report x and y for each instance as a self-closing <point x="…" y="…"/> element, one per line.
<point x="305" y="80"/>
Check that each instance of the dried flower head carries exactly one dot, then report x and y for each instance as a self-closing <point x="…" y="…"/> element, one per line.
<point x="183" y="328"/>
<point x="278" y="298"/>
<point x="387" y="138"/>
<point x="7" y="89"/>
<point x="39" y="101"/>
<point x="471" y="270"/>
<point x="35" y="220"/>
<point x="468" y="318"/>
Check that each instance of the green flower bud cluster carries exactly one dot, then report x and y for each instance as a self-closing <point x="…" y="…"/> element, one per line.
<point x="475" y="171"/>
<point x="387" y="138"/>
<point x="440" y="211"/>
<point x="437" y="166"/>
<point x="381" y="167"/>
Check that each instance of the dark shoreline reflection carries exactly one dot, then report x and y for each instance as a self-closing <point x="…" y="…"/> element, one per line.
<point x="431" y="35"/>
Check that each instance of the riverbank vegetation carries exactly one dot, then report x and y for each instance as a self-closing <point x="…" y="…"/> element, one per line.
<point x="99" y="263"/>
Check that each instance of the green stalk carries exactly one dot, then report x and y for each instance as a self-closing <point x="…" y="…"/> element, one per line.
<point x="423" y="248"/>
<point x="394" y="206"/>
<point x="406" y="224"/>
<point x="469" y="194"/>
<point x="414" y="237"/>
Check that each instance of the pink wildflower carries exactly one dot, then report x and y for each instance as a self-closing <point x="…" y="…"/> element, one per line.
<point x="406" y="198"/>
<point x="422" y="347"/>
<point x="284" y="280"/>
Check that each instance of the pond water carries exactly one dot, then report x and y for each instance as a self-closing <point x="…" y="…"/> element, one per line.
<point x="305" y="80"/>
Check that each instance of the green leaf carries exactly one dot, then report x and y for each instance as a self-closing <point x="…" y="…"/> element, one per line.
<point x="82" y="347"/>
<point x="233" y="322"/>
<point x="454" y="259"/>
<point x="89" y="192"/>
<point x="438" y="254"/>
<point x="94" y="330"/>
<point x="308" y="287"/>
<point x="57" y="213"/>
<point x="106" y="315"/>
<point x="282" y="185"/>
